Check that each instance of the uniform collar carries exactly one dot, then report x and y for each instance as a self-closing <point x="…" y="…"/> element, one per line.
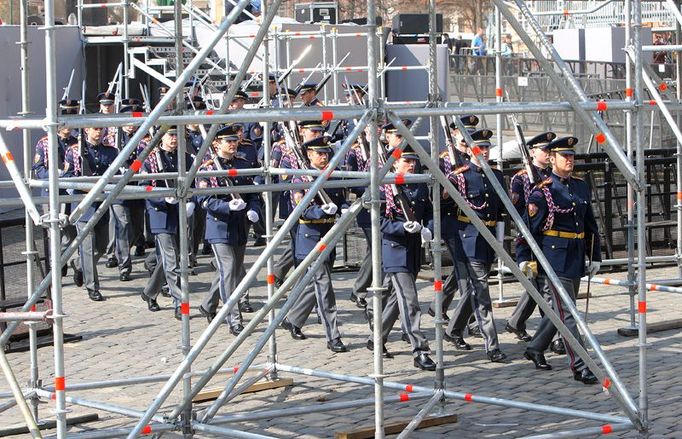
<point x="563" y="180"/>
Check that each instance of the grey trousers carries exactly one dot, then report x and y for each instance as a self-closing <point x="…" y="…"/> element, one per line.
<point x="473" y="283"/>
<point x="286" y="261"/>
<point x="230" y="271"/>
<point x="197" y="226"/>
<point x="450" y="285"/>
<point x="122" y="236"/>
<point x="524" y="309"/>
<point x="91" y="249"/>
<point x="68" y="235"/>
<point x="364" y="279"/>
<point x="111" y="243"/>
<point x="546" y="330"/>
<point x="320" y="292"/>
<point x="166" y="270"/>
<point x="401" y="299"/>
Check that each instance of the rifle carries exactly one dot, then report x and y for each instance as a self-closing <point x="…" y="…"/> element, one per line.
<point x="455" y="159"/>
<point x="114" y="81"/>
<point x="329" y="74"/>
<point x="525" y="155"/>
<point x="364" y="146"/>
<point x="82" y="147"/>
<point x="293" y="142"/>
<point x="298" y="87"/>
<point x="398" y="195"/>
<point x="65" y="96"/>
<point x="288" y="71"/>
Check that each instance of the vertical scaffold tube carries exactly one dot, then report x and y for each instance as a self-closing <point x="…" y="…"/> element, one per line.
<point x="53" y="219"/>
<point x="373" y="101"/>
<point x="31" y="250"/>
<point x="436" y="249"/>
<point x="641" y="213"/>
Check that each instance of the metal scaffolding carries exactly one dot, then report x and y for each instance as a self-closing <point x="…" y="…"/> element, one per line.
<point x="184" y="417"/>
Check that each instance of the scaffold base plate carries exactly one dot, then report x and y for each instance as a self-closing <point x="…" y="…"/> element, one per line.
<point x="212" y="394"/>
<point x="48" y="424"/>
<point x="396" y="427"/>
<point x="44" y="340"/>
<point x="666" y="325"/>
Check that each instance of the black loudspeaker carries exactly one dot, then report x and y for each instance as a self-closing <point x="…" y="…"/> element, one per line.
<point x="415" y="24"/>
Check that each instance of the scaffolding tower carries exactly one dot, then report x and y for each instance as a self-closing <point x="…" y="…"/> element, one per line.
<point x="183" y="418"/>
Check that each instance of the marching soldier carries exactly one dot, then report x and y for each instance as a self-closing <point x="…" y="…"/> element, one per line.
<point x="315" y="222"/>
<point x="128" y="214"/>
<point x="90" y="158"/>
<point x="521" y="188"/>
<point x="309" y="130"/>
<point x="358" y="160"/>
<point x="227" y="222"/>
<point x="308" y="95"/>
<point x="195" y="139"/>
<point x="107" y="105"/>
<point x="40" y="167"/>
<point x="449" y="211"/>
<point x="473" y="255"/>
<point x="163" y="222"/>
<point x="401" y="242"/>
<point x="561" y="219"/>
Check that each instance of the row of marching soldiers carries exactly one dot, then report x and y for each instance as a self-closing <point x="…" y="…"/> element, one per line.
<point x="557" y="210"/>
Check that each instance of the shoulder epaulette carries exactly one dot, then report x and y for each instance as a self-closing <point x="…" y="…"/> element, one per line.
<point x="240" y="155"/>
<point x="521" y="172"/>
<point x="577" y="178"/>
<point x="544" y="183"/>
<point x="461" y="169"/>
<point x="443" y="154"/>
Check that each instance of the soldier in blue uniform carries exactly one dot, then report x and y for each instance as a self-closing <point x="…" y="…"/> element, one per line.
<point x="521" y="188"/>
<point x="473" y="255"/>
<point x="107" y="105"/>
<point x="40" y="167"/>
<point x="356" y="160"/>
<point x="227" y="222"/>
<point x="90" y="158"/>
<point x="315" y="222"/>
<point x="401" y="241"/>
<point x="450" y="161"/>
<point x="195" y="138"/>
<point x="163" y="222"/>
<point x="309" y="130"/>
<point x="309" y="95"/>
<point x="560" y="217"/>
<point x="128" y="215"/>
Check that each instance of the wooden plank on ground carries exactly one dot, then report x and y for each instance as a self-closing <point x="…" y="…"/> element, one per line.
<point x="211" y="394"/>
<point x="395" y="427"/>
<point x="665" y="325"/>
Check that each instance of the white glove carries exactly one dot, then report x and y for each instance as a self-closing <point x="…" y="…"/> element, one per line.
<point x="252" y="215"/>
<point x="344" y="210"/>
<point x="593" y="267"/>
<point x="330" y="209"/>
<point x="412" y="226"/>
<point x="499" y="231"/>
<point x="190" y="209"/>
<point x="529" y="268"/>
<point x="426" y="236"/>
<point x="171" y="200"/>
<point x="237" y="204"/>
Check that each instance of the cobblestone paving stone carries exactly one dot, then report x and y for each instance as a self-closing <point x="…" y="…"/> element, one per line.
<point x="122" y="339"/>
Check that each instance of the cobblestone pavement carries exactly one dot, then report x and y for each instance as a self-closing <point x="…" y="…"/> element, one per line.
<point x="122" y="339"/>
